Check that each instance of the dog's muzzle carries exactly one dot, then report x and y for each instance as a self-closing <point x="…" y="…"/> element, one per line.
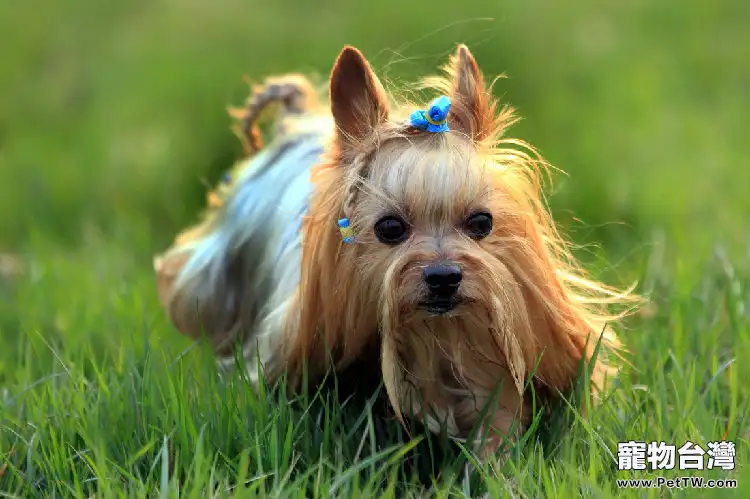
<point x="442" y="280"/>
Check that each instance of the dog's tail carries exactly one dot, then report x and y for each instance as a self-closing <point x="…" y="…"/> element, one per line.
<point x="294" y="92"/>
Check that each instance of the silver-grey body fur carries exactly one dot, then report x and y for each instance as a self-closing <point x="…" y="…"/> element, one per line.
<point x="257" y="233"/>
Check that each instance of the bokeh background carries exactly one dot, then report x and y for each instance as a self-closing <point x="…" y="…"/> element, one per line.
<point x="113" y="123"/>
<point x="113" y="119"/>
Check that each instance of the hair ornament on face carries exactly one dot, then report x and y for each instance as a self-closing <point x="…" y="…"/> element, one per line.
<point x="347" y="233"/>
<point x="434" y="119"/>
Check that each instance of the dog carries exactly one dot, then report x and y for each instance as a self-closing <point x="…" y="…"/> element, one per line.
<point x="418" y="231"/>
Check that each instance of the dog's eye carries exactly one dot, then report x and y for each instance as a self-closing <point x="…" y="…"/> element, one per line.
<point x="391" y="230"/>
<point x="479" y="225"/>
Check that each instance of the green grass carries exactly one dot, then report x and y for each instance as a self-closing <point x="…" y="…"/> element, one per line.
<point x="112" y="116"/>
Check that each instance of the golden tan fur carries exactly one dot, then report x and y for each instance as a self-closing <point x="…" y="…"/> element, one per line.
<point x="526" y="305"/>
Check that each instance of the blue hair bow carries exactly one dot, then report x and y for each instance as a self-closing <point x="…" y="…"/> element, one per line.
<point x="435" y="119"/>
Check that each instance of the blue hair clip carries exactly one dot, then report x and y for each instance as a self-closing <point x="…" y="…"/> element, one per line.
<point x="346" y="231"/>
<point x="435" y="119"/>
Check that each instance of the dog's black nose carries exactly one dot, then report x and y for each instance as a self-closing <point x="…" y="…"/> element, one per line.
<point x="442" y="279"/>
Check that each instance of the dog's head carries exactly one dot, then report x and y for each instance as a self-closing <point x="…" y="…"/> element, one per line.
<point x="452" y="247"/>
<point x="429" y="210"/>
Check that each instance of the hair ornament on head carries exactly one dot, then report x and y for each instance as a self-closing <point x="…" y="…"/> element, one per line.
<point x="435" y="119"/>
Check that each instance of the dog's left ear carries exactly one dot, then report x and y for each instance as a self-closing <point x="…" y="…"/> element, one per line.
<point x="358" y="100"/>
<point x="471" y="107"/>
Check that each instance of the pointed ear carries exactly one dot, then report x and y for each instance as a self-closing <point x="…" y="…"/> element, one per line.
<point x="470" y="100"/>
<point x="358" y="101"/>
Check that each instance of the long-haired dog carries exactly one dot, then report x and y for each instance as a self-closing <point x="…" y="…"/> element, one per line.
<point x="422" y="234"/>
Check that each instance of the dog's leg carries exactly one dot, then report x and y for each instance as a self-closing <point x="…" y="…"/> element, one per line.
<point x="502" y="430"/>
<point x="502" y="418"/>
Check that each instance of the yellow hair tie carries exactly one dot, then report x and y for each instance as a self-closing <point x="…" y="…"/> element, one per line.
<point x="433" y="122"/>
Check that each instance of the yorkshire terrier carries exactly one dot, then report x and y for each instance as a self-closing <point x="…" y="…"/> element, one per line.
<point x="422" y="231"/>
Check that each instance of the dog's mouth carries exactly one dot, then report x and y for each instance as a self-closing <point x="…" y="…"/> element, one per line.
<point x="439" y="306"/>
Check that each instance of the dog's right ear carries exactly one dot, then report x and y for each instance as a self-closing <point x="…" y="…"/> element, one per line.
<point x="358" y="100"/>
<point x="472" y="108"/>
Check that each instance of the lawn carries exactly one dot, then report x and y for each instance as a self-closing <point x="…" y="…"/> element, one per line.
<point x="112" y="121"/>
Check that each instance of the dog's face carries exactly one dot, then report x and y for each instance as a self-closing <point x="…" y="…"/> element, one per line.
<point x="429" y="221"/>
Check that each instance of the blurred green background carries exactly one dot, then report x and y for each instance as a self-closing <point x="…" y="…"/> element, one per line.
<point x="113" y="118"/>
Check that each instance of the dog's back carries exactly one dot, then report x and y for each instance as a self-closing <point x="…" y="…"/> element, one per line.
<point x="251" y="232"/>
